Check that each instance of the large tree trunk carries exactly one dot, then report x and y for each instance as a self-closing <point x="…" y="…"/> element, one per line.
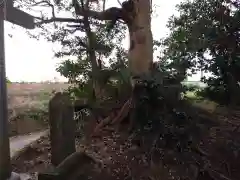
<point x="233" y="90"/>
<point x="140" y="57"/>
<point x="141" y="40"/>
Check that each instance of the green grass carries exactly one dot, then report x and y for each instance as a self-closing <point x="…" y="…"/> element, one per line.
<point x="192" y="95"/>
<point x="201" y="102"/>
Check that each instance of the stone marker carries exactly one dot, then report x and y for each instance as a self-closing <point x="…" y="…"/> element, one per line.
<point x="62" y="127"/>
<point x="71" y="168"/>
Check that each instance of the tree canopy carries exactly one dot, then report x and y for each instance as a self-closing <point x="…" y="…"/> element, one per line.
<point x="205" y="36"/>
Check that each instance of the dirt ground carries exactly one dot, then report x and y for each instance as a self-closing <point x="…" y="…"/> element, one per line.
<point x="214" y="157"/>
<point x="27" y="105"/>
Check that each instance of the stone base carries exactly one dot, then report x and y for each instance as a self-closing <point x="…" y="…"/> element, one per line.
<point x="16" y="176"/>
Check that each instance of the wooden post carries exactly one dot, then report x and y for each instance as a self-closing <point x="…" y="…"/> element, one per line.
<point x="62" y="127"/>
<point x="16" y="16"/>
<point x="9" y="13"/>
<point x="5" y="166"/>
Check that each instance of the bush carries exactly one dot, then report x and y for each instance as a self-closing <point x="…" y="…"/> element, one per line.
<point x="192" y="87"/>
<point x="216" y="94"/>
<point x="220" y="91"/>
<point x="153" y="94"/>
<point x="8" y="81"/>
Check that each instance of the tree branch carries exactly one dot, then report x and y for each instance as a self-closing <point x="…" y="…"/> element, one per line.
<point x="56" y="19"/>
<point x="77" y="27"/>
<point x="104" y="5"/>
<point x="46" y="3"/>
<point x="53" y="18"/>
<point x="108" y="14"/>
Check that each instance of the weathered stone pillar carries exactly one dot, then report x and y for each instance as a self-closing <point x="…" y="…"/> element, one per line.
<point x="62" y="127"/>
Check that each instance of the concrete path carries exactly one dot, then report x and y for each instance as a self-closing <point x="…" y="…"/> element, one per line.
<point x="18" y="143"/>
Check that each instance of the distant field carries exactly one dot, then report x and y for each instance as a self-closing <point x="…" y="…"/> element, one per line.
<point x="25" y="88"/>
<point x="27" y="102"/>
<point x="24" y="95"/>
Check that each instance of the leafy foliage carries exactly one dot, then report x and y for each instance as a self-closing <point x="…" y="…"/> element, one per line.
<point x="8" y="81"/>
<point x="205" y="36"/>
<point x="154" y="93"/>
<point x="85" y="46"/>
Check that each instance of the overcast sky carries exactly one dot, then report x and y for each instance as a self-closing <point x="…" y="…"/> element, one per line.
<point x="32" y="60"/>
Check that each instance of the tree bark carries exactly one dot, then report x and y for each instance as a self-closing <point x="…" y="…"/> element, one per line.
<point x="140" y="36"/>
<point x="91" y="48"/>
<point x="233" y="90"/>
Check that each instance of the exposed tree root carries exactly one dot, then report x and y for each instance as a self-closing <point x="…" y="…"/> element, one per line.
<point x="103" y="123"/>
<point x="131" y="124"/>
<point x="110" y="129"/>
<point x="118" y="119"/>
<point x="123" y="112"/>
<point x="200" y="151"/>
<point x="216" y="175"/>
